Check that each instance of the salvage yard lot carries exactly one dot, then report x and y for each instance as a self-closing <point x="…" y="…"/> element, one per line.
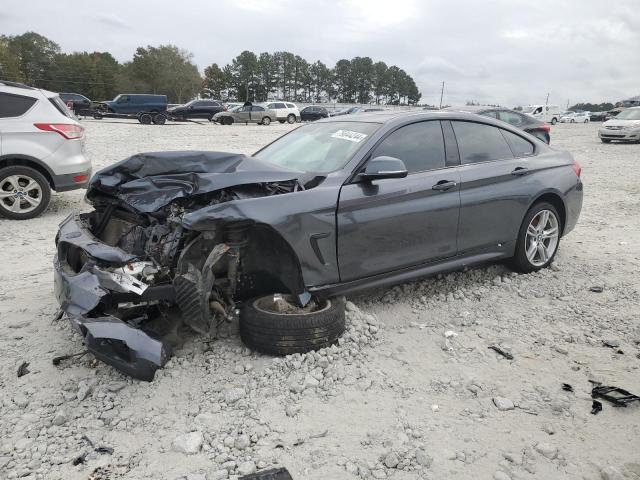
<point x="398" y="398"/>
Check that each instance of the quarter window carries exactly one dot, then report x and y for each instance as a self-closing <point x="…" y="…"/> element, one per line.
<point x="491" y="114"/>
<point x="480" y="143"/>
<point x="419" y="145"/>
<point x="14" y="105"/>
<point x="519" y="146"/>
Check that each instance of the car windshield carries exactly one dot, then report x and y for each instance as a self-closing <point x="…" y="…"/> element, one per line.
<point x="320" y="147"/>
<point x="631" y="114"/>
<point x="528" y="109"/>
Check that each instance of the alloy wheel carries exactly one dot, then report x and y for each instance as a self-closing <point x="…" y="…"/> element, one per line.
<point x="20" y="194"/>
<point x="542" y="237"/>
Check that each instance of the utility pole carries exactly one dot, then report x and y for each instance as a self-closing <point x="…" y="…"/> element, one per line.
<point x="547" y="103"/>
<point x="441" y="94"/>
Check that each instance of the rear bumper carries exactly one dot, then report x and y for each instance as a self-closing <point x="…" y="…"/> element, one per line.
<point x="573" y="206"/>
<point x="71" y="181"/>
<point x="129" y="349"/>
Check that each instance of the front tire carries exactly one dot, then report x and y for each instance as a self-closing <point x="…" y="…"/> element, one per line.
<point x="538" y="238"/>
<point x="24" y="193"/>
<point x="605" y="140"/>
<point x="265" y="330"/>
<point x="291" y="118"/>
<point x="266" y="121"/>
<point x="554" y="121"/>
<point x="159" y="119"/>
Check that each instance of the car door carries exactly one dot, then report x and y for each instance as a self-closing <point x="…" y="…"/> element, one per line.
<point x="257" y="113"/>
<point x="243" y="114"/>
<point x="389" y="224"/>
<point x="494" y="189"/>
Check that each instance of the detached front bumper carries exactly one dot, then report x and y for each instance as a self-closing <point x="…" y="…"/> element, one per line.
<point x="82" y="291"/>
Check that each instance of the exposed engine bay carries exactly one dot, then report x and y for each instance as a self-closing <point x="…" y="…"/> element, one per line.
<point x="131" y="271"/>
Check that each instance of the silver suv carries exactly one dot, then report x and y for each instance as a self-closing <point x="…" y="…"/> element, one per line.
<point x="41" y="148"/>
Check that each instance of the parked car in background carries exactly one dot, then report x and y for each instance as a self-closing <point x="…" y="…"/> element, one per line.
<point x="42" y="149"/>
<point x="576" y="117"/>
<point x="346" y="111"/>
<point x="79" y="103"/>
<point x="599" y="116"/>
<point x="285" y="111"/>
<point x="134" y="103"/>
<point x="312" y="112"/>
<point x="527" y="123"/>
<point x="544" y="113"/>
<point x="333" y="207"/>
<point x="624" y="127"/>
<point x="197" y="109"/>
<point x="246" y="114"/>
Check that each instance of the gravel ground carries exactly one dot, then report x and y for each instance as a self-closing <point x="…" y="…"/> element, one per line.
<point x="411" y="392"/>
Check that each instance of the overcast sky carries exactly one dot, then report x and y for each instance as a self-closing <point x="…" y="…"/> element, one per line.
<point x="510" y="52"/>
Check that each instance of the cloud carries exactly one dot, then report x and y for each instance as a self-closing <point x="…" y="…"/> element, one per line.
<point x="110" y="19"/>
<point x="499" y="52"/>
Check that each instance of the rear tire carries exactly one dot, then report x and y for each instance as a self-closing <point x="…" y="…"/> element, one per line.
<point x="97" y="115"/>
<point x="160" y="119"/>
<point x="532" y="233"/>
<point x="554" y="120"/>
<point x="286" y="333"/>
<point x="33" y="188"/>
<point x="145" y="119"/>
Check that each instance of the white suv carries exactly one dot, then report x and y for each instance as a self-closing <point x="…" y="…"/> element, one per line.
<point x="285" y="111"/>
<point x="41" y="148"/>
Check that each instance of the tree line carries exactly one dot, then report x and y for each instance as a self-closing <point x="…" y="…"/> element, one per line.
<point x="166" y="69"/>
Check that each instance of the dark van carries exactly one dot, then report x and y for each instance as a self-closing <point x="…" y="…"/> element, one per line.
<point x="134" y="103"/>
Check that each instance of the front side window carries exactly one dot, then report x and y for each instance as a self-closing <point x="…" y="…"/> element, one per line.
<point x="478" y="142"/>
<point x="257" y="109"/>
<point x="318" y="147"/>
<point x="14" y="105"/>
<point x="419" y="145"/>
<point x="291" y="105"/>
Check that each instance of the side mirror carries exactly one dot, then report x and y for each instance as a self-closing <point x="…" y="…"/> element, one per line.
<point x="384" y="167"/>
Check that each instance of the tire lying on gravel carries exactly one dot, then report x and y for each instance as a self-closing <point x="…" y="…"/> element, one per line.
<point x="297" y="330"/>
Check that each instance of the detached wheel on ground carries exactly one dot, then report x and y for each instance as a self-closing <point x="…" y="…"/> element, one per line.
<point x="24" y="193"/>
<point x="538" y="239"/>
<point x="273" y="324"/>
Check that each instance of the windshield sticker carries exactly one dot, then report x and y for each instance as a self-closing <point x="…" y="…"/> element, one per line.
<point x="349" y="135"/>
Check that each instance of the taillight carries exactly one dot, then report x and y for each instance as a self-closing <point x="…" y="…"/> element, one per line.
<point x="69" y="131"/>
<point x="546" y="127"/>
<point x="577" y="168"/>
<point x="80" y="178"/>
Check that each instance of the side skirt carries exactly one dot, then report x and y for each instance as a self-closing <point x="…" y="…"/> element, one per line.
<point x="409" y="274"/>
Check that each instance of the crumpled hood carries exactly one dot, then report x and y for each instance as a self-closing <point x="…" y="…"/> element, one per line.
<point x="149" y="181"/>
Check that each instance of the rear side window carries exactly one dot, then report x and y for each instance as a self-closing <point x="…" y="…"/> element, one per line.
<point x="511" y="117"/>
<point x="491" y="114"/>
<point x="480" y="143"/>
<point x="291" y="105"/>
<point x="60" y="106"/>
<point x="419" y="145"/>
<point x="14" y="105"/>
<point x="257" y="109"/>
<point x="519" y="146"/>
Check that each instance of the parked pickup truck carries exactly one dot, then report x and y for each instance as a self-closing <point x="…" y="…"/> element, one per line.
<point x="134" y="103"/>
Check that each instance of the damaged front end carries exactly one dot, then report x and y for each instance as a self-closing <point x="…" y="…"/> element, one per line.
<point x="129" y="273"/>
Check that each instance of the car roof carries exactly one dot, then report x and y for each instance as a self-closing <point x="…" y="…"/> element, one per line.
<point x="471" y="108"/>
<point x="400" y="117"/>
